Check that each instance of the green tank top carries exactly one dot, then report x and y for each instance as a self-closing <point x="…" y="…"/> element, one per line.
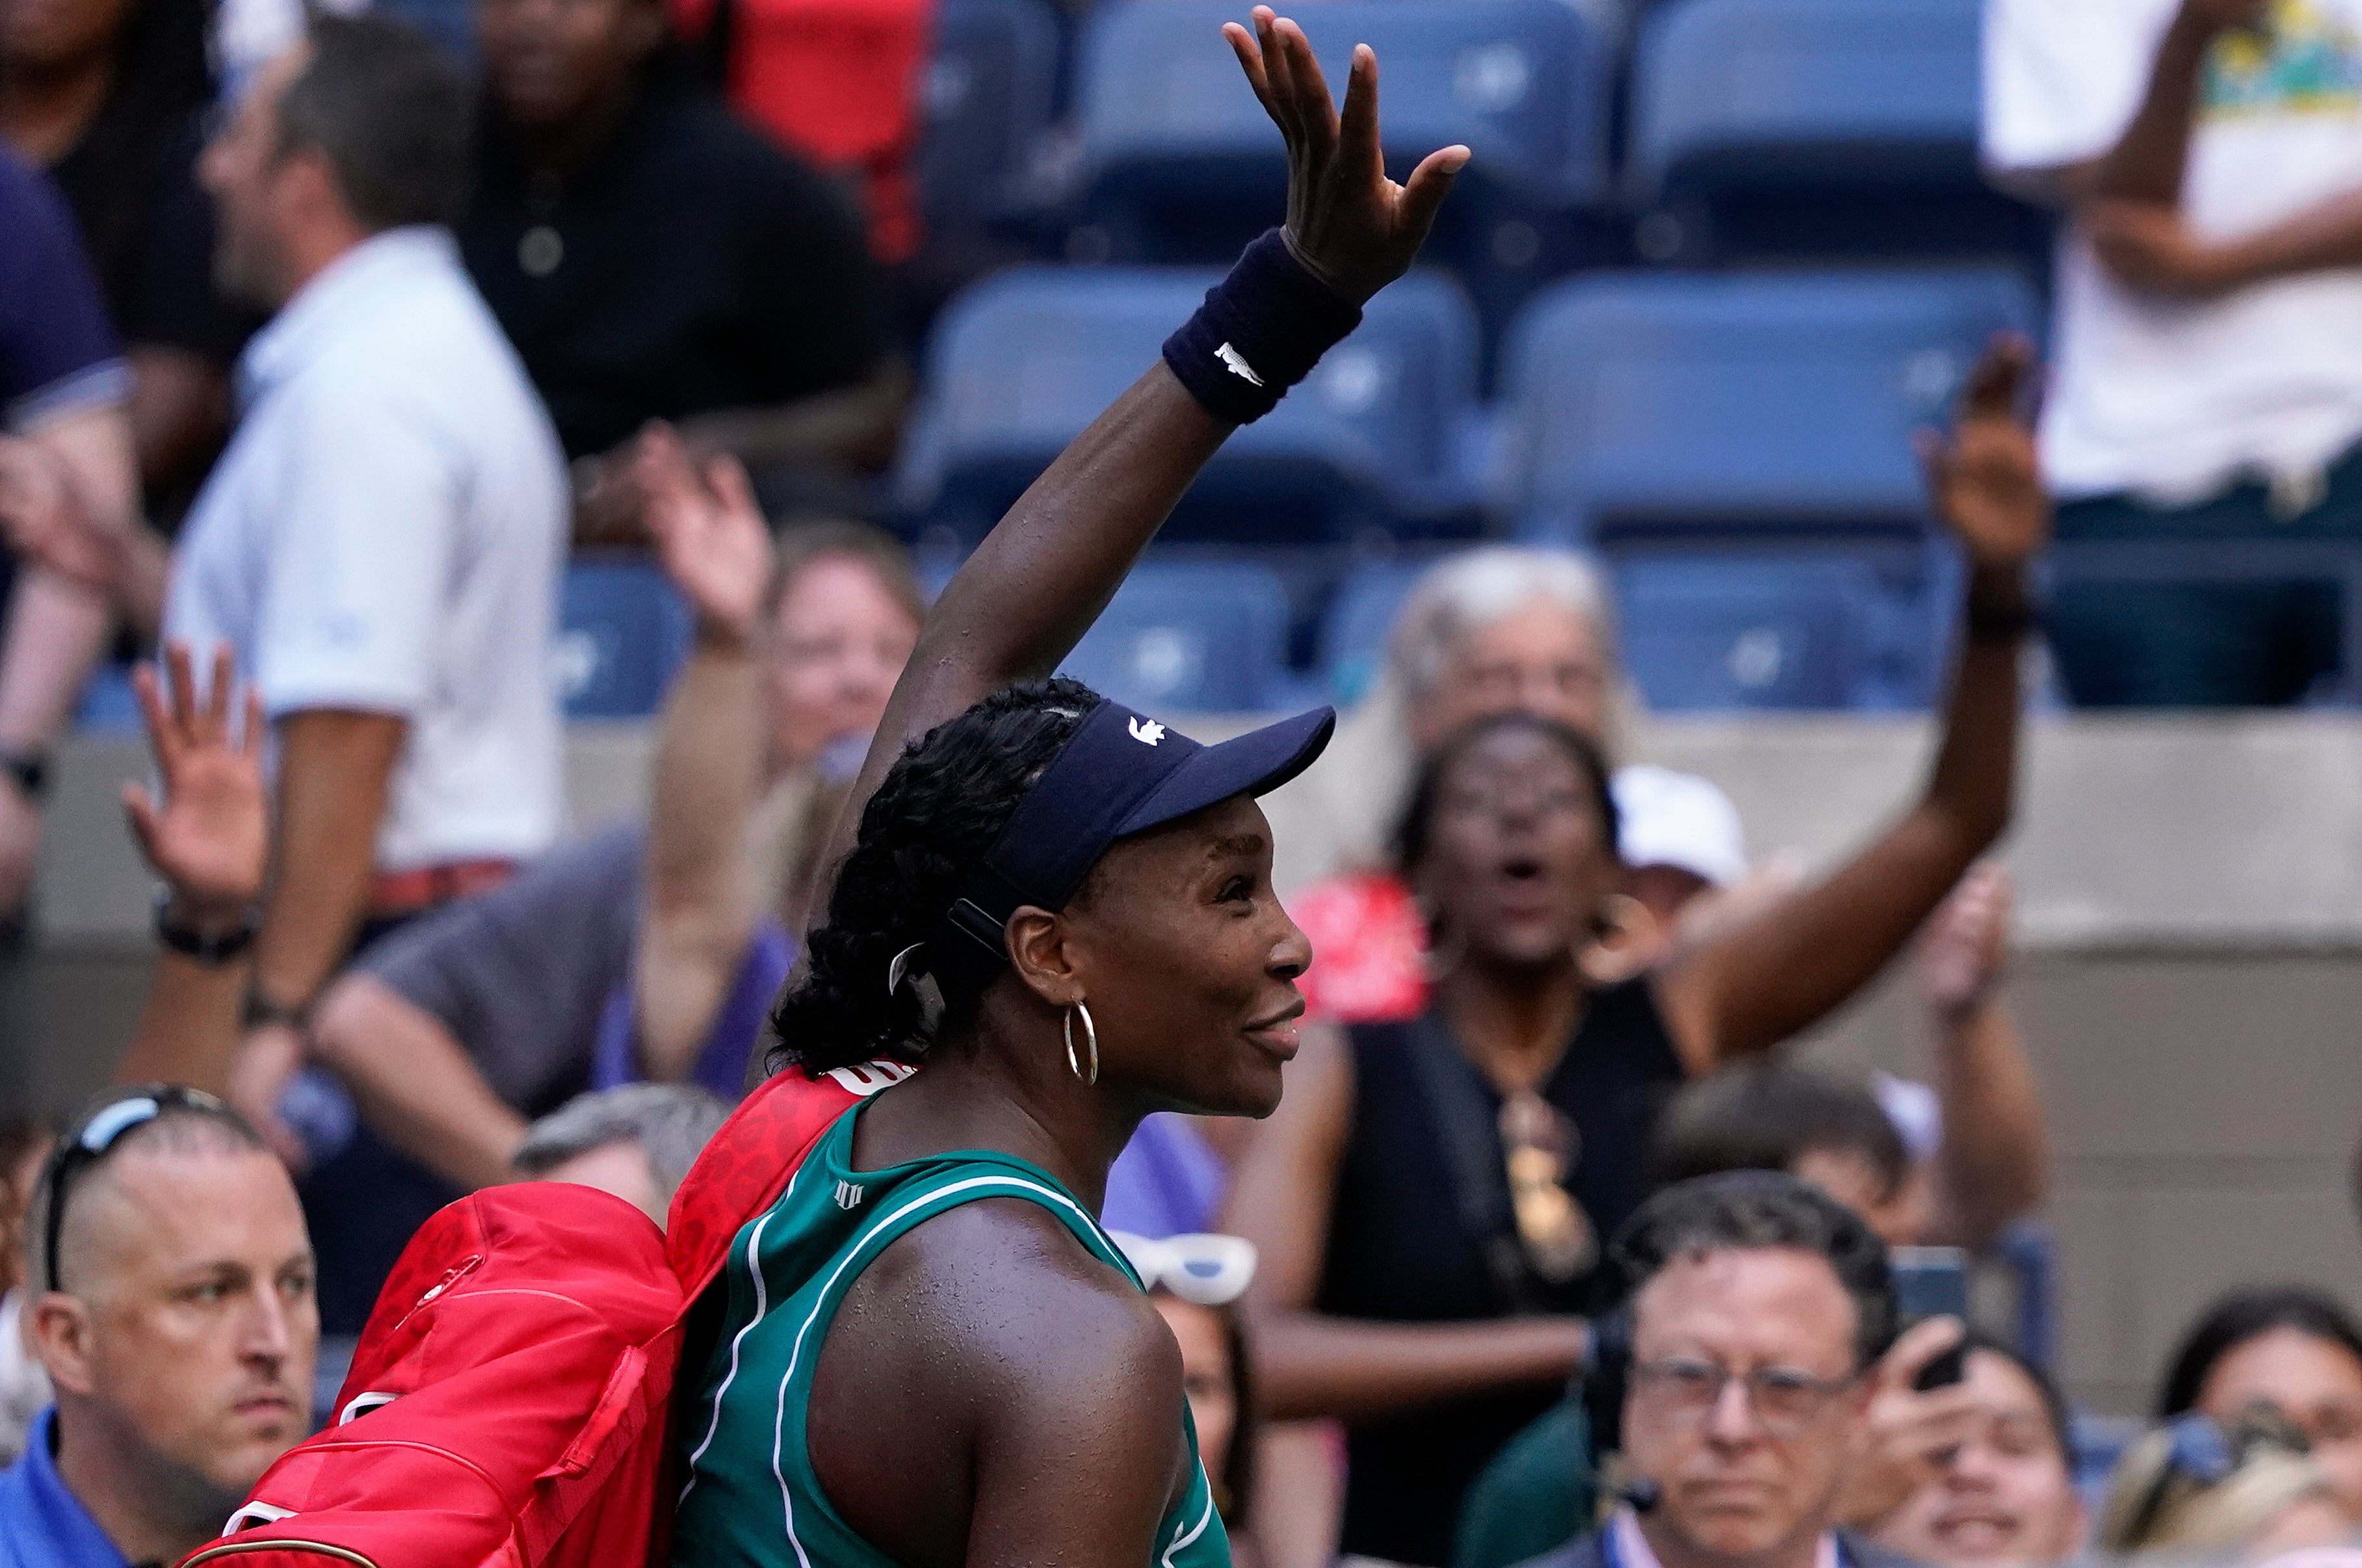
<point x="752" y="1496"/>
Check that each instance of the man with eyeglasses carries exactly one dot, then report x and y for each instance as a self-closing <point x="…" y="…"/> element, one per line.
<point x="1757" y="1306"/>
<point x="172" y="1304"/>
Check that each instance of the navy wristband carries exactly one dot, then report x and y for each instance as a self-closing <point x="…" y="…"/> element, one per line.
<point x="1261" y="331"/>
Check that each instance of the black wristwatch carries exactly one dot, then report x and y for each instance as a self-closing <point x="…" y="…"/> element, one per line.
<point x="212" y="952"/>
<point x="30" y="769"/>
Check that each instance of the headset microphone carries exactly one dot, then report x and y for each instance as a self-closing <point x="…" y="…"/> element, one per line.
<point x="1641" y="1496"/>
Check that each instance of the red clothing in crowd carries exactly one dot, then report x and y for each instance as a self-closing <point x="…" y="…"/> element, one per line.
<point x="1369" y="949"/>
<point x="839" y="81"/>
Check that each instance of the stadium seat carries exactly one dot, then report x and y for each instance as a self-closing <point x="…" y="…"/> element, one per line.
<point x="1814" y="128"/>
<point x="1021" y="363"/>
<point x="991" y="91"/>
<point x="1770" y="633"/>
<point x="1189" y="638"/>
<point x="1361" y="616"/>
<point x="1178" y="161"/>
<point x="624" y="629"/>
<point x="1757" y="419"/>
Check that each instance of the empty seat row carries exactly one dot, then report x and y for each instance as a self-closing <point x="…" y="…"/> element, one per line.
<point x="1816" y="128"/>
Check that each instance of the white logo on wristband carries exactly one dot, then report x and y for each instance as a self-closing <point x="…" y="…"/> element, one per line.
<point x="1237" y="363"/>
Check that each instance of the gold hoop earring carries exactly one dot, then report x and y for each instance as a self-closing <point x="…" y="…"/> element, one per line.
<point x="1089" y="1077"/>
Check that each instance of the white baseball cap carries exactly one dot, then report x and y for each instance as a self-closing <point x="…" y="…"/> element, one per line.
<point x="1666" y="818"/>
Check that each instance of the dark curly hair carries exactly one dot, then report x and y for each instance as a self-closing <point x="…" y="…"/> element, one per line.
<point x="922" y="835"/>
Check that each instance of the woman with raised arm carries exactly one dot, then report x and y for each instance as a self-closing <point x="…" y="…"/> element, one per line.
<point x="1428" y="1180"/>
<point x="931" y="1353"/>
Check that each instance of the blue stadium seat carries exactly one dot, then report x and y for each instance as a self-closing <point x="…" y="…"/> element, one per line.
<point x="622" y="630"/>
<point x="110" y="704"/>
<point x="1179" y="164"/>
<point x="991" y="91"/>
<point x="1814" y="128"/>
<point x="1361" y="616"/>
<point x="1768" y="634"/>
<point x="1189" y="638"/>
<point x="1018" y="364"/>
<point x="1759" y="418"/>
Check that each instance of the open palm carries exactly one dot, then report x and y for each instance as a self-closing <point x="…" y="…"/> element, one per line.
<point x="210" y="837"/>
<point x="709" y="531"/>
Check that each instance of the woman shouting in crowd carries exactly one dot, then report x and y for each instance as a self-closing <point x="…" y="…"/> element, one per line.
<point x="931" y="1353"/>
<point x="1428" y="1178"/>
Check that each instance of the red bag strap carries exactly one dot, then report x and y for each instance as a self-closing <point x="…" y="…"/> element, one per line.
<point x="746" y="1166"/>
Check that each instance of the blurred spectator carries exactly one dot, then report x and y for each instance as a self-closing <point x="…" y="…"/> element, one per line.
<point x="107" y="98"/>
<point x="1423" y="1181"/>
<point x="649" y="951"/>
<point x="380" y="546"/>
<point x="1991" y="1157"/>
<point x="1489" y="631"/>
<point x="637" y="1141"/>
<point x="63" y="387"/>
<point x="2292" y="1349"/>
<point x="172" y="1304"/>
<point x="652" y="258"/>
<point x="2242" y="1491"/>
<point x="24" y="1386"/>
<point x="839" y="80"/>
<point x="2005" y="1497"/>
<point x="1194" y="1281"/>
<point x="1757" y="1306"/>
<point x="2207" y="382"/>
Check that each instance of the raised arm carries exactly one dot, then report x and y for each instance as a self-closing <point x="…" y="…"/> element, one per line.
<point x="702" y="898"/>
<point x="1809" y="953"/>
<point x="1994" y="1163"/>
<point x="208" y="839"/>
<point x="1040" y="578"/>
<point x="1311" y="1364"/>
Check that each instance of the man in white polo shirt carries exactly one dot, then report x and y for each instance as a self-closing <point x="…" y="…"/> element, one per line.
<point x="2207" y="378"/>
<point x="381" y="544"/>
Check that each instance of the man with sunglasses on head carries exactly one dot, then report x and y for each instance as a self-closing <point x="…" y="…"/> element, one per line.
<point x="1757" y="1306"/>
<point x="171" y="1303"/>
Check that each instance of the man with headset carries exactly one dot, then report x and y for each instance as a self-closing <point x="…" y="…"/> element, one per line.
<point x="1757" y="1308"/>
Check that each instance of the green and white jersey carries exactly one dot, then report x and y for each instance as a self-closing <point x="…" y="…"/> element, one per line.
<point x="752" y="1496"/>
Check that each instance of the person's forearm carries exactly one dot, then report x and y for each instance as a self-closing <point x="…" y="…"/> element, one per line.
<point x="189" y="1028"/>
<point x="1995" y="1163"/>
<point x="702" y="901"/>
<point x="1309" y="1364"/>
<point x="1026" y="596"/>
<point x="335" y="768"/>
<point x="1974" y="780"/>
<point x="2148" y="161"/>
<point x="56" y="633"/>
<point x="414" y="1085"/>
<point x="2319" y="239"/>
<point x="852" y="426"/>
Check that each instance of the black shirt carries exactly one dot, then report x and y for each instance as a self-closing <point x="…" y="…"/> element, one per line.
<point x="1398" y="1249"/>
<point x="153" y="244"/>
<point x="690" y="266"/>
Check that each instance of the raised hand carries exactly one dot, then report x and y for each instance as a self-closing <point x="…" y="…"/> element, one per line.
<point x="709" y="531"/>
<point x="1984" y="479"/>
<point x="1356" y="229"/>
<point x="210" y="837"/>
<point x="1967" y="944"/>
<point x="1909" y="1436"/>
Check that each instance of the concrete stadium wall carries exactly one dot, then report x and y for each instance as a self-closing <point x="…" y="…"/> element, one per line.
<point x="2189" y="979"/>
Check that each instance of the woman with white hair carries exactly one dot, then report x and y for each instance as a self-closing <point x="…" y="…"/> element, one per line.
<point x="1501" y="629"/>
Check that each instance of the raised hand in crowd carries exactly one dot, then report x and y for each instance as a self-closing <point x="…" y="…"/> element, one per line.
<point x="205" y="832"/>
<point x="709" y="531"/>
<point x="1910" y="1434"/>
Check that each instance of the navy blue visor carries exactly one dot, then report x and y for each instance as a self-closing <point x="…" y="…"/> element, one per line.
<point x="1122" y="773"/>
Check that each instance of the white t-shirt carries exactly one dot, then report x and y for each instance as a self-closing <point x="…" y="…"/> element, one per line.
<point x="2175" y="400"/>
<point x="385" y="534"/>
